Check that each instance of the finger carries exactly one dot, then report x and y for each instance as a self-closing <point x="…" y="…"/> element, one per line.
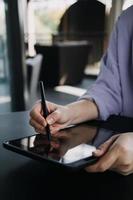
<point x="122" y="172"/>
<point x="102" y="149"/>
<point x="55" y="145"/>
<point x="57" y="127"/>
<point x="39" y="131"/>
<point x="36" y="125"/>
<point x="51" y="106"/>
<point x="37" y="116"/>
<point x="53" y="117"/>
<point x="105" y="162"/>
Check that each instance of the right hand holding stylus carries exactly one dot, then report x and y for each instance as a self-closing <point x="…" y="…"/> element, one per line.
<point x="59" y="117"/>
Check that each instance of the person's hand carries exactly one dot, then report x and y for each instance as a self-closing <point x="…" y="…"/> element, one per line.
<point x="115" y="154"/>
<point x="59" y="117"/>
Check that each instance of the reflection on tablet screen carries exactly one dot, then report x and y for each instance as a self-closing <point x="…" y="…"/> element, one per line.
<point x="66" y="146"/>
<point x="77" y="153"/>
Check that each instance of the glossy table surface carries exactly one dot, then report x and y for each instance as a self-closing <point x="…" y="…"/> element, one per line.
<point x="24" y="178"/>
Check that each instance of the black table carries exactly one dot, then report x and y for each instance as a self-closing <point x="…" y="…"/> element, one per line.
<point x="24" y="178"/>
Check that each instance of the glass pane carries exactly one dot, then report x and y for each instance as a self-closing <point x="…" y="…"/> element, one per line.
<point x="2" y="41"/>
<point x="127" y="4"/>
<point x="4" y="75"/>
<point x="43" y="20"/>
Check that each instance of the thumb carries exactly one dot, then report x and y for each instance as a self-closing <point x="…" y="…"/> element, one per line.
<point x="53" y="117"/>
<point x="102" y="149"/>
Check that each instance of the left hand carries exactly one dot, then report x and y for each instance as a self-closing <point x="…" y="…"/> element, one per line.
<point x="115" y="154"/>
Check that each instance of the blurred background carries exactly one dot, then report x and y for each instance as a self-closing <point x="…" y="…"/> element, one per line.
<point x="60" y="42"/>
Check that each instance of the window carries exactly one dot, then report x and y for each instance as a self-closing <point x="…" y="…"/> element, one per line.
<point x="3" y="51"/>
<point x="43" y="20"/>
<point x="127" y="4"/>
<point x="5" y="99"/>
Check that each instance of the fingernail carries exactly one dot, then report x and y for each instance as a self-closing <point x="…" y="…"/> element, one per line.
<point x="98" y="151"/>
<point x="45" y="123"/>
<point x="50" y="121"/>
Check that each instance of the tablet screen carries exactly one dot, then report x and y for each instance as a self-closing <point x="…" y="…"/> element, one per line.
<point x="66" y="146"/>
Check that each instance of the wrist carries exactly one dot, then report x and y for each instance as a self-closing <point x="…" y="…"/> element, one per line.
<point x="82" y="110"/>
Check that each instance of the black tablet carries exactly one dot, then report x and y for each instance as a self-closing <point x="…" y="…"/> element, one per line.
<point x="71" y="147"/>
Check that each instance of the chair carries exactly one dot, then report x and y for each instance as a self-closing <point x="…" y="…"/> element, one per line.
<point x="64" y="62"/>
<point x="33" y="69"/>
<point x="84" y="20"/>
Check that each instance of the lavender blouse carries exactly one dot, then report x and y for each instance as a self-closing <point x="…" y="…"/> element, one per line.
<point x="113" y="89"/>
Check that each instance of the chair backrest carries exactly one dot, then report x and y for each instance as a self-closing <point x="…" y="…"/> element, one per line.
<point x="84" y="20"/>
<point x="35" y="63"/>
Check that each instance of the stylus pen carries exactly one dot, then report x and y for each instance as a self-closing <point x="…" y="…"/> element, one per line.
<point x="44" y="109"/>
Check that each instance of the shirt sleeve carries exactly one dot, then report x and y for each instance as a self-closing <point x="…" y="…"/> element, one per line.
<point x="106" y="91"/>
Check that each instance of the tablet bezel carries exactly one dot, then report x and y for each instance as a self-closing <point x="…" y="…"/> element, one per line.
<point x="74" y="165"/>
